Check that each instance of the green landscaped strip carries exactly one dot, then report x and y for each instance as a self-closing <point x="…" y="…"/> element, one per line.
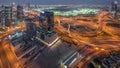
<point x="74" y="12"/>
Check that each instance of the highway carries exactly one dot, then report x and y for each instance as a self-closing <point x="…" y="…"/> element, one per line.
<point x="12" y="30"/>
<point x="93" y="50"/>
<point x="7" y="57"/>
<point x="4" y="62"/>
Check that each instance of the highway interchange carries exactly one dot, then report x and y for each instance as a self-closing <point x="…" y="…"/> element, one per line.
<point x="90" y="47"/>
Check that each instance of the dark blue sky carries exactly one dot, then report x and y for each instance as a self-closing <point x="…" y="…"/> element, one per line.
<point x="53" y="2"/>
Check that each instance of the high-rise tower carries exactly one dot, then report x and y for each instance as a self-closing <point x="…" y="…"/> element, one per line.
<point x="20" y="14"/>
<point x="14" y="12"/>
<point x="7" y="15"/>
<point x="114" y="8"/>
<point x="47" y="20"/>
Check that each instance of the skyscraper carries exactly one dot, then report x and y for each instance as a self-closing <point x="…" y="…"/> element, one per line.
<point x="20" y="14"/>
<point x="0" y="18"/>
<point x="14" y="12"/>
<point x="31" y="29"/>
<point x="7" y="15"/>
<point x="114" y="8"/>
<point x="47" y="20"/>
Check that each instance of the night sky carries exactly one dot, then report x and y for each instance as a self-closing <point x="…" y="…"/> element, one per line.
<point x="64" y="2"/>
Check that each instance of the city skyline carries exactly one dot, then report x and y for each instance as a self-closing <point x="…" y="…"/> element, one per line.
<point x="59" y="34"/>
<point x="60" y="2"/>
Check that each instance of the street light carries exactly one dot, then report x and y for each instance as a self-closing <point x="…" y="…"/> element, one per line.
<point x="102" y="49"/>
<point x="96" y="48"/>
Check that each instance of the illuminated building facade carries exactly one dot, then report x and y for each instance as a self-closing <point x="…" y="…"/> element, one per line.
<point x="14" y="13"/>
<point x="114" y="8"/>
<point x="7" y="15"/>
<point x="47" y="35"/>
<point x="31" y="29"/>
<point x="20" y="14"/>
<point x="0" y="17"/>
<point x="47" y="20"/>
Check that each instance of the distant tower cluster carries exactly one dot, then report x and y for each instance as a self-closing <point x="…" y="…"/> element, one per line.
<point x="17" y="13"/>
<point x="9" y="14"/>
<point x="114" y="8"/>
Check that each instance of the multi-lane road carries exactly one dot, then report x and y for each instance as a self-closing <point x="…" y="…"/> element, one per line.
<point x="7" y="56"/>
<point x="92" y="50"/>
